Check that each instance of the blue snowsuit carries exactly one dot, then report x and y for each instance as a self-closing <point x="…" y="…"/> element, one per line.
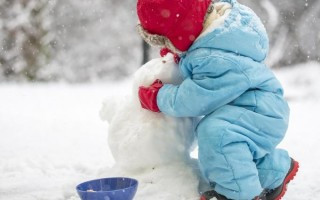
<point x="245" y="113"/>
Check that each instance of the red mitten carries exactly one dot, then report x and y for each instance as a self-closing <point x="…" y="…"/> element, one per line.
<point x="148" y="96"/>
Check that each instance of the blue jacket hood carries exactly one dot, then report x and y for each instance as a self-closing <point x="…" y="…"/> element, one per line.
<point x="242" y="33"/>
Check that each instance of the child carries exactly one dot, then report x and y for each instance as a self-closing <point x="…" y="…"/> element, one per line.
<point x="222" y="47"/>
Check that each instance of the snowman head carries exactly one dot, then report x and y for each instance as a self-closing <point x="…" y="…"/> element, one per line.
<point x="164" y="69"/>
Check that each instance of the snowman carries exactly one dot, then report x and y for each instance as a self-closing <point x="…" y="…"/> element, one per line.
<point x="152" y="147"/>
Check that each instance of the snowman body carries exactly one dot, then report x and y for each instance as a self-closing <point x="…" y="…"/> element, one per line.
<point x="152" y="147"/>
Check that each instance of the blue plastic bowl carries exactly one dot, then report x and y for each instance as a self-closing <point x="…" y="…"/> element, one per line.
<point x="118" y="188"/>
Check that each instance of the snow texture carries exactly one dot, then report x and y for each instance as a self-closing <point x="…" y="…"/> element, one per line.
<point x="152" y="147"/>
<point x="52" y="138"/>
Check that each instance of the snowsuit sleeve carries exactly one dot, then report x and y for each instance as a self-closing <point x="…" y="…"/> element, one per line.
<point x="212" y="82"/>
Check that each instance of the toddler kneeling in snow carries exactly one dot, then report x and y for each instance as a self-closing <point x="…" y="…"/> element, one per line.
<point x="222" y="48"/>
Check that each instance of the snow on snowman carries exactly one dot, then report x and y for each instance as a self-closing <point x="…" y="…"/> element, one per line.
<point x="152" y="147"/>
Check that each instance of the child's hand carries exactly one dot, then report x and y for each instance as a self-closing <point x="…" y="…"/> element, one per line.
<point x="148" y="96"/>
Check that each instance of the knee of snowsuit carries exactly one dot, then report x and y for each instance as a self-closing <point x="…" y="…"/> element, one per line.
<point x="236" y="157"/>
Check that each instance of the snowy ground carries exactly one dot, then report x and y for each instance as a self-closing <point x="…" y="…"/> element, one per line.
<point x="52" y="137"/>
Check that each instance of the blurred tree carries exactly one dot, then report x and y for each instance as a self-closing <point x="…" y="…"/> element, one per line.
<point x="25" y="38"/>
<point x="293" y="29"/>
<point x="308" y="32"/>
<point x="146" y="52"/>
<point x="80" y="41"/>
<point x="95" y="39"/>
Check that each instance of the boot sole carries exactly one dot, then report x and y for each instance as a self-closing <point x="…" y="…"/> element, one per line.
<point x="288" y="178"/>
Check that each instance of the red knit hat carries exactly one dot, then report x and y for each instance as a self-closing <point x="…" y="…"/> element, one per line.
<point x="181" y="21"/>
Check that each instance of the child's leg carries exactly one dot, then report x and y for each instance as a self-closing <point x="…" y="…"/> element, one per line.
<point x="234" y="175"/>
<point x="273" y="168"/>
<point x="226" y="160"/>
<point x="231" y="141"/>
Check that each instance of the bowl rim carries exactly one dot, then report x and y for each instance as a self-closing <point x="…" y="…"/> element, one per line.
<point x="134" y="185"/>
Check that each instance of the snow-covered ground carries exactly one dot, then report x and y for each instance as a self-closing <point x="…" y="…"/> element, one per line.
<point x="52" y="137"/>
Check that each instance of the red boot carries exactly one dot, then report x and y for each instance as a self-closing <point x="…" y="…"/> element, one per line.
<point x="279" y="192"/>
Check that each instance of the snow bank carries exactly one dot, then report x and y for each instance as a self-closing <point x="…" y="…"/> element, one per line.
<point x="52" y="138"/>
